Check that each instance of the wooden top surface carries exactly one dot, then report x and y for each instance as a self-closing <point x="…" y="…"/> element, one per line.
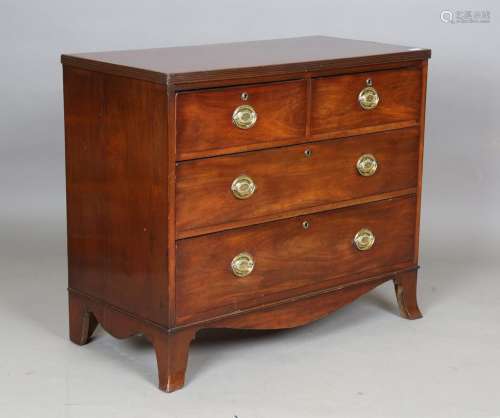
<point x="243" y="59"/>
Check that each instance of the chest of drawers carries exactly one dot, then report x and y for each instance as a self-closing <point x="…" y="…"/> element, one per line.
<point x="255" y="185"/>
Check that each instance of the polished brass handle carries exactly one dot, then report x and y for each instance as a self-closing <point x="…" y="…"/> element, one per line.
<point x="367" y="165"/>
<point x="243" y="187"/>
<point x="364" y="239"/>
<point x="244" y="117"/>
<point x="368" y="98"/>
<point x="242" y="265"/>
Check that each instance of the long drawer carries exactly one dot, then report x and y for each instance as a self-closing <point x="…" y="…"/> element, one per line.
<point x="231" y="270"/>
<point x="217" y="191"/>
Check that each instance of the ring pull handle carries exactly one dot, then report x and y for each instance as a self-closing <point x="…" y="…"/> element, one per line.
<point x="243" y="187"/>
<point x="368" y="98"/>
<point x="244" y="116"/>
<point x="243" y="264"/>
<point x="364" y="239"/>
<point x="367" y="165"/>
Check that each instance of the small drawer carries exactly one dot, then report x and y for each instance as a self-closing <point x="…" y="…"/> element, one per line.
<point x="211" y="122"/>
<point x="350" y="102"/>
<point x="253" y="186"/>
<point x="227" y="271"/>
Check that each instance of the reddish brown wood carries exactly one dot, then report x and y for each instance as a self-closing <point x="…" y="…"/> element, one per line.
<point x="420" y="157"/>
<point x="171" y="356"/>
<point x="406" y="292"/>
<point x="116" y="182"/>
<point x="151" y="234"/>
<point x="263" y="77"/>
<point x="172" y="173"/>
<point x="287" y="256"/>
<point x="171" y="347"/>
<point x="290" y="300"/>
<point x="82" y="323"/>
<point x="300" y="311"/>
<point x="299" y="140"/>
<point x="244" y="59"/>
<point x="308" y="80"/>
<point x="335" y="103"/>
<point x="288" y="180"/>
<point x="204" y="118"/>
<point x="299" y="212"/>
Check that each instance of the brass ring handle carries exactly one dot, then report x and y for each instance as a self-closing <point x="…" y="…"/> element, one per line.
<point x="243" y="264"/>
<point x="243" y="187"/>
<point x="367" y="165"/>
<point x="364" y="239"/>
<point x="368" y="98"/>
<point x="244" y="117"/>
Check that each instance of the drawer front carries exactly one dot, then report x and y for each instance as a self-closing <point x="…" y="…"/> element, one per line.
<point x="337" y="102"/>
<point x="292" y="178"/>
<point x="218" y="121"/>
<point x="290" y="257"/>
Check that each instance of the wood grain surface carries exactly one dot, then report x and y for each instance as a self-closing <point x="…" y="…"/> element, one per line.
<point x="151" y="152"/>
<point x="287" y="256"/>
<point x="204" y="118"/>
<point x="335" y="103"/>
<point x="191" y="64"/>
<point x="116" y="182"/>
<point x="288" y="180"/>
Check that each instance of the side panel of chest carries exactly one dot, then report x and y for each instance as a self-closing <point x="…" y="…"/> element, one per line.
<point x="116" y="180"/>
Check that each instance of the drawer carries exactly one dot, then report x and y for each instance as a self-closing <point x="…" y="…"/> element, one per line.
<point x="291" y="179"/>
<point x="290" y="257"/>
<point x="217" y="121"/>
<point x="337" y="101"/>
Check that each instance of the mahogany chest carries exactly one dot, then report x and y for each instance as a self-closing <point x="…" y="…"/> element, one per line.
<point x="255" y="185"/>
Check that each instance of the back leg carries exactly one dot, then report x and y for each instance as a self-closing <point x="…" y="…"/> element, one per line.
<point x="405" y="285"/>
<point x="82" y="323"/>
